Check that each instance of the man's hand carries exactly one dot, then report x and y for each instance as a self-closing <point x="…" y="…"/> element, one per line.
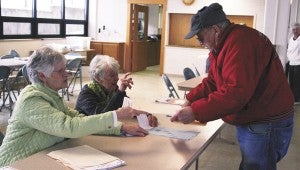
<point x="184" y="115"/>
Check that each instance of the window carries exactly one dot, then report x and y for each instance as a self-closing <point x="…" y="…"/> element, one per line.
<point x="16" y="8"/>
<point x="49" y="9"/>
<point x="43" y="18"/>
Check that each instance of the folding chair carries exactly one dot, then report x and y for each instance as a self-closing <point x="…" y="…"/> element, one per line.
<point x="14" y="53"/>
<point x="74" y="68"/>
<point x="196" y="70"/>
<point x="170" y="86"/>
<point x="18" y="82"/>
<point x="25" y="74"/>
<point x="188" y="74"/>
<point x="5" y="86"/>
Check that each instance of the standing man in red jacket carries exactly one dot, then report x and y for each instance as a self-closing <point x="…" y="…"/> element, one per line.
<point x="246" y="87"/>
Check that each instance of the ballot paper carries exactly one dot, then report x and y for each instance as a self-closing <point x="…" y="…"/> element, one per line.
<point x="173" y="133"/>
<point x="127" y="102"/>
<point x="162" y="131"/>
<point x="86" y="158"/>
<point x="170" y="101"/>
<point x="142" y="118"/>
<point x="143" y="121"/>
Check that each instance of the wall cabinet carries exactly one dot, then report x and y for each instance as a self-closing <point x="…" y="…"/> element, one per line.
<point x="113" y="49"/>
<point x="180" y="26"/>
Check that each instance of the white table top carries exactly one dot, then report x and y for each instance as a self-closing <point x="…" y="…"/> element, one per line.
<point x="71" y="57"/>
<point x="13" y="62"/>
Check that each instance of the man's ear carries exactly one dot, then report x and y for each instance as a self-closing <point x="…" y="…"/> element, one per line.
<point x="217" y="29"/>
<point x="41" y="76"/>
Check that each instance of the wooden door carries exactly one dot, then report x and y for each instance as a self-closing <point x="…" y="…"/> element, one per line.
<point x="139" y="32"/>
<point x="128" y="63"/>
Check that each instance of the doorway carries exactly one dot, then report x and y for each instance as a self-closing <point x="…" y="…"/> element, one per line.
<point x="133" y="48"/>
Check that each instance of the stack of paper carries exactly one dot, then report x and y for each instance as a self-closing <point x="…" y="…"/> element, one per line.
<point x="86" y="157"/>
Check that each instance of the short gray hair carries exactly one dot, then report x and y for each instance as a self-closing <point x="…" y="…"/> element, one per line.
<point x="99" y="65"/>
<point x="43" y="60"/>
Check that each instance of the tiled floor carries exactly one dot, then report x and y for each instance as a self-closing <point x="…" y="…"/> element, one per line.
<point x="220" y="154"/>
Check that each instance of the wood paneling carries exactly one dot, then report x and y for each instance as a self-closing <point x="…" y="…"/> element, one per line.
<point x="180" y="26"/>
<point x="153" y="53"/>
<point x="139" y="56"/>
<point x="115" y="50"/>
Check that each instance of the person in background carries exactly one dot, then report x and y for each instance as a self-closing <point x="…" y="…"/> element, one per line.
<point x="106" y="92"/>
<point x="293" y="55"/>
<point x="246" y="87"/>
<point x="40" y="118"/>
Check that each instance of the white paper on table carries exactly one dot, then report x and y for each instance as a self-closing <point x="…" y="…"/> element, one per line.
<point x="7" y="168"/>
<point x="142" y="118"/>
<point x="143" y="121"/>
<point x="173" y="133"/>
<point x="171" y="101"/>
<point x="85" y="157"/>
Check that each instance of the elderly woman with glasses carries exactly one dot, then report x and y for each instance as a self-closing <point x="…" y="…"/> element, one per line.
<point x="40" y="118"/>
<point x="106" y="92"/>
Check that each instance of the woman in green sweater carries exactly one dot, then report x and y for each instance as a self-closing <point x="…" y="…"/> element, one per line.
<point x="41" y="119"/>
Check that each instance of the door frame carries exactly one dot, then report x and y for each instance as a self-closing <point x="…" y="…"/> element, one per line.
<point x="128" y="51"/>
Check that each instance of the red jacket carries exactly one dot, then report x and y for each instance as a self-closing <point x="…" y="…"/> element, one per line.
<point x="246" y="82"/>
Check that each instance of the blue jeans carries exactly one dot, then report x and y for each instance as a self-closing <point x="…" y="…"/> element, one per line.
<point x="263" y="145"/>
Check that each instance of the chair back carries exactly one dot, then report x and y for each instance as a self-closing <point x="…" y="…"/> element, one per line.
<point x="188" y="73"/>
<point x="1" y="138"/>
<point x="74" y="65"/>
<point x="17" y="83"/>
<point x="5" y="86"/>
<point x="170" y="86"/>
<point x="14" y="53"/>
<point x="4" y="72"/>
<point x="74" y="69"/>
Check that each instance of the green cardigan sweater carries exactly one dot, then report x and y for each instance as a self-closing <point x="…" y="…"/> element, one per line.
<point x="41" y="119"/>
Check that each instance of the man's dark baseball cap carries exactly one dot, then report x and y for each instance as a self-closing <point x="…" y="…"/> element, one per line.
<point x="205" y="17"/>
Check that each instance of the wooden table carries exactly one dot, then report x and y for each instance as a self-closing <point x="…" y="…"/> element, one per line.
<point x="150" y="152"/>
<point x="189" y="84"/>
